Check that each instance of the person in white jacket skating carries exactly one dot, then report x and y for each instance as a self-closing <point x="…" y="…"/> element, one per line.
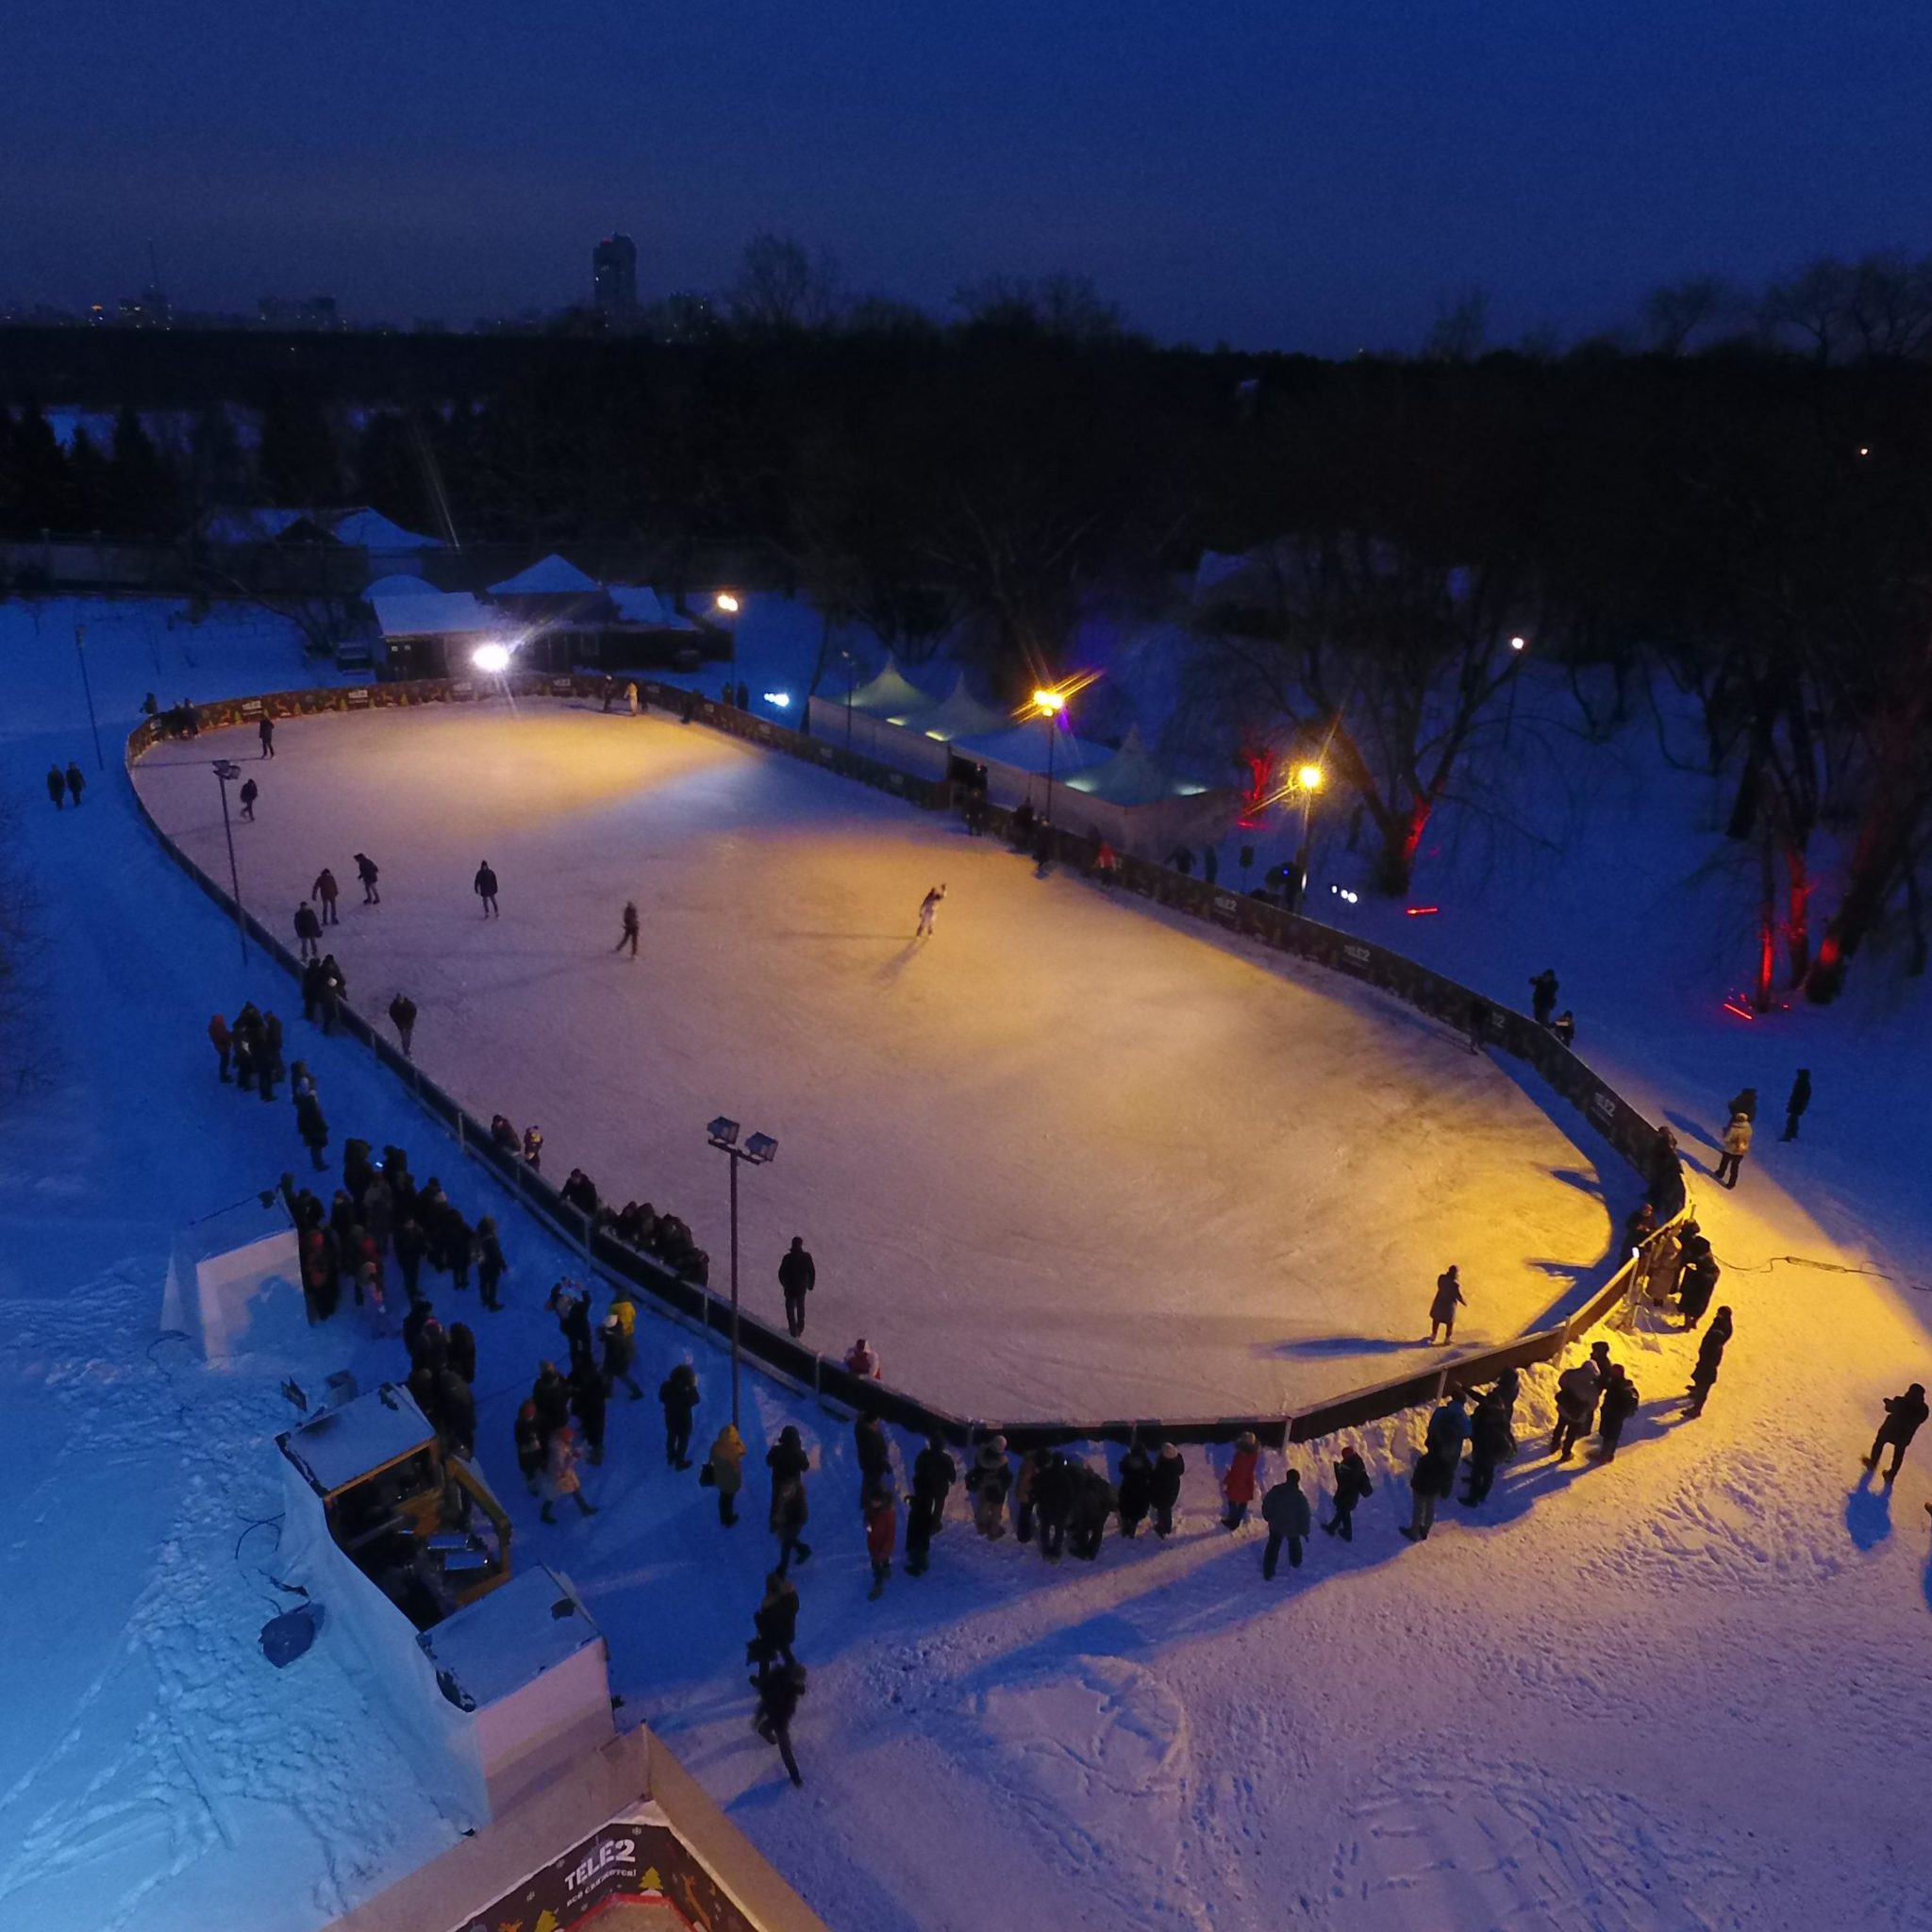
<point x="928" y="910"/>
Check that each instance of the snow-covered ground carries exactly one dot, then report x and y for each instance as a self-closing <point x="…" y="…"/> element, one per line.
<point x="1064" y="1158"/>
<point x="1684" y="1691"/>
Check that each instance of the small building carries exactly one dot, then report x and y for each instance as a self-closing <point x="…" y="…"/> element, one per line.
<point x="423" y="632"/>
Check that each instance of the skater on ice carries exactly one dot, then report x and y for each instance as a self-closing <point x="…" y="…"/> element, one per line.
<point x="484" y="886"/>
<point x="1905" y="1415"/>
<point x="324" y="892"/>
<point x="928" y="911"/>
<point x="797" y="1276"/>
<point x="250" y="793"/>
<point x="1448" y="1298"/>
<point x="369" y="873"/>
<point x="628" y="937"/>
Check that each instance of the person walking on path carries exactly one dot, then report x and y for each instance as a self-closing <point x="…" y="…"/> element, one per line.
<point x="402" y="1016"/>
<point x="57" y="786"/>
<point x="988" y="1483"/>
<point x="324" y="892"/>
<point x="797" y="1276"/>
<point x="1432" y="1480"/>
<point x="1448" y="1298"/>
<point x="779" y="1687"/>
<point x="1543" y="994"/>
<point x="677" y="1394"/>
<point x="307" y="936"/>
<point x="874" y="1454"/>
<point x="934" y="1473"/>
<point x="1796" y="1105"/>
<point x="1904" y="1417"/>
<point x="369" y="873"/>
<point x="726" y="1467"/>
<point x="560" y="1478"/>
<point x="1735" y="1144"/>
<point x="1238" y="1485"/>
<point x="928" y="911"/>
<point x="223" y="1042"/>
<point x="881" y="1537"/>
<point x="1168" y="1467"/>
<point x="484" y="886"/>
<point x="628" y="937"/>
<point x="250" y="793"/>
<point x="1620" y="1404"/>
<point x="75" y="783"/>
<point x="775" y="1619"/>
<point x="1285" y="1510"/>
<point x="265" y="730"/>
<point x="1352" y="1486"/>
<point x="1710" y="1355"/>
<point x="791" y="1512"/>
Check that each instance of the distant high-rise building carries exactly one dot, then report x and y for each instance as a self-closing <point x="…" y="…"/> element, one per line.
<point x="614" y="279"/>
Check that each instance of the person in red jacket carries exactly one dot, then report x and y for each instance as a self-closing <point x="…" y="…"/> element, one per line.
<point x="324" y="890"/>
<point x="222" y="1041"/>
<point x="882" y="1536"/>
<point x="1238" y="1485"/>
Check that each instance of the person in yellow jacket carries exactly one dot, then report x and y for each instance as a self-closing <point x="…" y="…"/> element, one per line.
<point x="726" y="1471"/>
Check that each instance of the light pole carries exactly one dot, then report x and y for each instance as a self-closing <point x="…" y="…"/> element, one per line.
<point x="1308" y="779"/>
<point x="1050" y="704"/>
<point x="729" y="605"/>
<point x="757" y="1150"/>
<point x="86" y="685"/>
<point x="225" y="770"/>
<point x="1518" y="646"/>
<point x="851" y="692"/>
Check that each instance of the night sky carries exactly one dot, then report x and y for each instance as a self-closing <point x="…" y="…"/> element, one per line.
<point x="1314" y="175"/>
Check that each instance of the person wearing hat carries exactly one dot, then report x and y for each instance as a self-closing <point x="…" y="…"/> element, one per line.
<point x="618" y="1352"/>
<point x="775" y="1619"/>
<point x="1164" y="1487"/>
<point x="1286" y="1512"/>
<point x="725" y="1467"/>
<point x="933" y="1473"/>
<point x="1238" y="1485"/>
<point x="987" y="1482"/>
<point x="1710" y="1352"/>
<point x="561" y="1474"/>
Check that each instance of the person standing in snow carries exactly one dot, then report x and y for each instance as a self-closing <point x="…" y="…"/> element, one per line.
<point x="726" y="1467"/>
<point x="533" y="1148"/>
<point x="1795" y="1107"/>
<point x="1620" y="1404"/>
<point x="797" y="1276"/>
<point x="1448" y="1431"/>
<point x="779" y="1687"/>
<point x="1697" y="1283"/>
<point x="1431" y="1481"/>
<point x="628" y="937"/>
<point x="874" y="1454"/>
<point x="1745" y="1101"/>
<point x="775" y="1619"/>
<point x="934" y="1473"/>
<point x="881" y="1537"/>
<point x="1492" y="1442"/>
<point x="561" y="1476"/>
<point x="1238" y="1485"/>
<point x="489" y="1264"/>
<point x="1094" y="1501"/>
<point x="1136" y="1489"/>
<point x="402" y="1016"/>
<point x="75" y="783"/>
<point x="484" y="886"/>
<point x="1710" y="1355"/>
<point x="1053" y="1499"/>
<point x="1577" y="1389"/>
<point x="369" y="873"/>
<point x="265" y="730"/>
<point x="250" y="793"/>
<point x="1736" y="1143"/>
<point x="308" y="939"/>
<point x="1352" y="1486"/>
<point x="928" y="911"/>
<point x="1905" y="1415"/>
<point x="324" y="892"/>
<point x="1543" y="993"/>
<point x="1448" y="1298"/>
<point x="223" y="1042"/>
<point x="1165" y="1489"/>
<point x="677" y="1394"/>
<point x="57" y="786"/>
<point x="618" y="1354"/>
<point x="988" y="1483"/>
<point x="1285" y="1510"/>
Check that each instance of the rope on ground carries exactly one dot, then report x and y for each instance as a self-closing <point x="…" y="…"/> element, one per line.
<point x="1826" y="1268"/>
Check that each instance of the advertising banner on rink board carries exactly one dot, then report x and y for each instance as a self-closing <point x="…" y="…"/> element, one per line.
<point x="631" y="1858"/>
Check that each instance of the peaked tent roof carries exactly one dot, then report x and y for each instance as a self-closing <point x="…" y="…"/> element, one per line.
<point x="891" y="695"/>
<point x="551" y="576"/>
<point x="959" y="714"/>
<point x="1130" y="777"/>
<point x="1024" y="747"/>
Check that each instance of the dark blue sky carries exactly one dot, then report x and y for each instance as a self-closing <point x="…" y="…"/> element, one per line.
<point x="1306" y="174"/>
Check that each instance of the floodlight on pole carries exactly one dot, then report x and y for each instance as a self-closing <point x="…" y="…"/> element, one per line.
<point x="727" y="603"/>
<point x="225" y="770"/>
<point x="491" y="660"/>
<point x="1518" y="643"/>
<point x="1308" y="779"/>
<point x="757" y="1151"/>
<point x="1051" y="705"/>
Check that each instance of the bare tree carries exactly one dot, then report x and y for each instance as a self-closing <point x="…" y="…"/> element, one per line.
<point x="1680" y="311"/>
<point x="1461" y="328"/>
<point x="782" y="286"/>
<point x="1889" y="307"/>
<point x="1812" y="306"/>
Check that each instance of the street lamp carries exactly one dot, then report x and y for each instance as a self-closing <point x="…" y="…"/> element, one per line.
<point x="1051" y="705"/>
<point x="1308" y="779"/>
<point x="757" y="1150"/>
<point x="726" y="602"/>
<point x="492" y="660"/>
<point x="851" y="692"/>
<point x="86" y="685"/>
<point x="225" y="770"/>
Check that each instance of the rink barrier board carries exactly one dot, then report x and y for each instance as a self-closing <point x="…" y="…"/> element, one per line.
<point x="1430" y="992"/>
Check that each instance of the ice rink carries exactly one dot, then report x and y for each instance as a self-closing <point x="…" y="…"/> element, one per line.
<point x="1066" y="1158"/>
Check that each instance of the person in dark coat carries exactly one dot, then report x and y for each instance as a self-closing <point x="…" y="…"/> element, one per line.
<point x="1094" y="1501"/>
<point x="311" y="975"/>
<point x="551" y="1394"/>
<point x="1478" y="1024"/>
<point x="1696" y="1285"/>
<point x="678" y="1394"/>
<point x="1564" y="1027"/>
<point x="934" y="1473"/>
<point x="533" y="1149"/>
<point x="249" y="794"/>
<point x="458" y="1247"/>
<point x="422" y="1386"/>
<point x="57" y="786"/>
<point x="779" y="1687"/>
<point x="1165" y="1487"/>
<point x="410" y="1245"/>
<point x="791" y="1510"/>
<point x="1796" y="1105"/>
<point x="1135" y="1489"/>
<point x="265" y="730"/>
<point x="797" y="1276"/>
<point x="484" y="886"/>
<point x="1710" y="1355"/>
<point x="873" y="1452"/>
<point x="1620" y="1404"/>
<point x="369" y="873"/>
<point x="431" y="1348"/>
<point x="529" y="1438"/>
<point x="419" y="1314"/>
<point x="788" y="1457"/>
<point x="572" y="1307"/>
<point x="989" y="1482"/>
<point x="312" y="1127"/>
<point x="1577" y="1389"/>
<point x="1352" y="1486"/>
<point x="1492" y="1442"/>
<point x="1053" y="1501"/>
<point x="462" y="1350"/>
<point x="1745" y="1101"/>
<point x="775" y="1619"/>
<point x="629" y="935"/>
<point x="308" y="944"/>
<point x="1448" y="1298"/>
<point x="456" y="1418"/>
<point x="1286" y="1512"/>
<point x="587" y="1401"/>
<point x="324" y="892"/>
<point x="1543" y="994"/>
<point x="618" y="1354"/>
<point x="1905" y="1415"/>
<point x="489" y="1263"/>
<point x="1433" y="1478"/>
<point x="402" y="1016"/>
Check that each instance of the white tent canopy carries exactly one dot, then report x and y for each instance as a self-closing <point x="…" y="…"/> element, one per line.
<point x="550" y="576"/>
<point x="1132" y="777"/>
<point x="890" y="694"/>
<point x="956" y="715"/>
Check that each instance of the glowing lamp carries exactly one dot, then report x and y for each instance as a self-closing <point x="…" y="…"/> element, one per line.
<point x="491" y="658"/>
<point x="1517" y="643"/>
<point x="782" y="699"/>
<point x="1049" y="701"/>
<point x="1310" y="777"/>
<point x="727" y="603"/>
